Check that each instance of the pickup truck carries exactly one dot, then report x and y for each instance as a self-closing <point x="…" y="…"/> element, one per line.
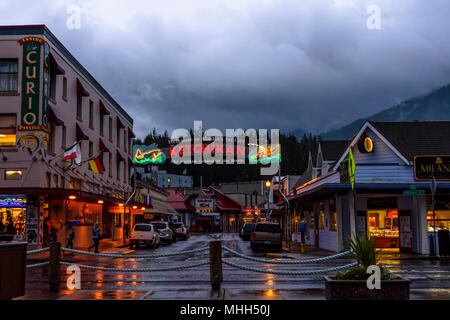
<point x="266" y="235"/>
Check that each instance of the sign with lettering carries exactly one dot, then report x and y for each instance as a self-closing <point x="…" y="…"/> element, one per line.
<point x="45" y="85"/>
<point x="425" y="167"/>
<point x="204" y="205"/>
<point x="30" y="80"/>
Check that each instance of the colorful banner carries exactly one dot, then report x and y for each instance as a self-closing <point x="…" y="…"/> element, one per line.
<point x="45" y="85"/>
<point x="30" y="80"/>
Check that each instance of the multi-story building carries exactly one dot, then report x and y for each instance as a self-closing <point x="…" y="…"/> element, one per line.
<point x="49" y="102"/>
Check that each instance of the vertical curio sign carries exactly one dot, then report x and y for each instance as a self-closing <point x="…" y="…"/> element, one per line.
<point x="45" y="85"/>
<point x="30" y="82"/>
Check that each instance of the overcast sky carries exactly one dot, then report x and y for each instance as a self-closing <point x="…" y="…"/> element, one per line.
<point x="284" y="64"/>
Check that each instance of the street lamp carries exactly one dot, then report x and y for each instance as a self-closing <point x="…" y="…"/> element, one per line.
<point x="268" y="184"/>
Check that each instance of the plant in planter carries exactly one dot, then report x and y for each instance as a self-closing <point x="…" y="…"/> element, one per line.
<point x="352" y="284"/>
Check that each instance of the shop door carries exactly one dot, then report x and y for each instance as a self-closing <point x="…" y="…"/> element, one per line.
<point x="405" y="231"/>
<point x="316" y="229"/>
<point x="361" y="224"/>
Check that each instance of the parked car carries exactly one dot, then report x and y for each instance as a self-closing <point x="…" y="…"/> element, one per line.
<point x="146" y="234"/>
<point x="246" y="230"/>
<point x="181" y="231"/>
<point x="165" y="232"/>
<point x="266" y="235"/>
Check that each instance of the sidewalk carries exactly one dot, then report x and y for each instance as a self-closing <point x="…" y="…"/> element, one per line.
<point x="105" y="245"/>
<point x="319" y="252"/>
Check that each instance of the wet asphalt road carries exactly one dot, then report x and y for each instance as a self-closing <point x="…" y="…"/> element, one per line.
<point x="430" y="279"/>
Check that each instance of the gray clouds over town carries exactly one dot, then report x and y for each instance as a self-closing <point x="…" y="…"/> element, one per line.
<point x="284" y="64"/>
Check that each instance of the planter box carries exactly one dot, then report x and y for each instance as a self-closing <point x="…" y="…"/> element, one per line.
<point x="397" y="289"/>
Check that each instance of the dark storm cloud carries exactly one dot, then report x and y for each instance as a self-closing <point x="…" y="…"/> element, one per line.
<point x="263" y="64"/>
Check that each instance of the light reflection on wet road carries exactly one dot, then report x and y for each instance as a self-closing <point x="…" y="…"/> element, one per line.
<point x="137" y="285"/>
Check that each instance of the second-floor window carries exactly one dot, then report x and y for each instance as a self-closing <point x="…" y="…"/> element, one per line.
<point x="101" y="123"/>
<point x="110" y="165"/>
<point x="91" y="149"/>
<point x="7" y="130"/>
<point x="64" y="91"/>
<point x="8" y="75"/>
<point x="53" y="85"/>
<point x="118" y="137"/>
<point x="79" y="107"/>
<point x="91" y="114"/>
<point x="110" y="129"/>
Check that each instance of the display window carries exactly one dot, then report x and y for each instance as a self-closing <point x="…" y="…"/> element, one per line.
<point x="13" y="217"/>
<point x="441" y="220"/>
<point x="383" y="227"/>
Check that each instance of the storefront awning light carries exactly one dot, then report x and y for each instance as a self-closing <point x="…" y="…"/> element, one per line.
<point x="120" y="204"/>
<point x="134" y="207"/>
<point x="143" y="208"/>
<point x="100" y="201"/>
<point x="72" y="197"/>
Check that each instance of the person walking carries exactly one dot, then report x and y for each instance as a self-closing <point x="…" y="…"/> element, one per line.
<point x="95" y="237"/>
<point x="70" y="235"/>
<point x="126" y="229"/>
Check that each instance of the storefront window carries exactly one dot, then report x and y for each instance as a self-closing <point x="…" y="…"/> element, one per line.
<point x="321" y="220"/>
<point x="441" y="220"/>
<point x="333" y="222"/>
<point x="13" y="217"/>
<point x="383" y="227"/>
<point x="7" y="130"/>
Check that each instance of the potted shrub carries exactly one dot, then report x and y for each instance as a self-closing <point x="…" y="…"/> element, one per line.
<point x="352" y="284"/>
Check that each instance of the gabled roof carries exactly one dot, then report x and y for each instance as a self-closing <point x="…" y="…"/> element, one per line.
<point x="223" y="202"/>
<point x="417" y="137"/>
<point x="407" y="139"/>
<point x="332" y="149"/>
<point x="177" y="201"/>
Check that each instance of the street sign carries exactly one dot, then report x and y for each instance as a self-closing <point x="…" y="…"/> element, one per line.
<point x="413" y="191"/>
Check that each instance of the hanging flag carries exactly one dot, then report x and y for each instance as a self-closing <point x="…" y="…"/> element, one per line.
<point x="73" y="152"/>
<point x="96" y="165"/>
<point x="351" y="167"/>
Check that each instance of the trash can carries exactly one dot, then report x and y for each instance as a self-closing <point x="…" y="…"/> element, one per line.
<point x="444" y="242"/>
<point x="12" y="269"/>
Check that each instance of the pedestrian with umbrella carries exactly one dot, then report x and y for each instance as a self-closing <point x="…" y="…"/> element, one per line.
<point x="95" y="237"/>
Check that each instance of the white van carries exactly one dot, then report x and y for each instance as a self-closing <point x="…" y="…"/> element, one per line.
<point x="144" y="233"/>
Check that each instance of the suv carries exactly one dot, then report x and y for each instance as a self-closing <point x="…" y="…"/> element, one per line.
<point x="181" y="231"/>
<point x="246" y="230"/>
<point x="144" y="233"/>
<point x="165" y="231"/>
<point x="267" y="235"/>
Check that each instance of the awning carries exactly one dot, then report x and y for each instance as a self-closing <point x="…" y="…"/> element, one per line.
<point x="119" y="156"/>
<point x="55" y="66"/>
<point x="80" y="133"/>
<point x="81" y="90"/>
<point x="120" y="125"/>
<point x="131" y="133"/>
<point x="103" y="145"/>
<point x="103" y="109"/>
<point x="159" y="207"/>
<point x="54" y="117"/>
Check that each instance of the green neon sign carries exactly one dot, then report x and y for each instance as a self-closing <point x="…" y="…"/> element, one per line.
<point x="151" y="154"/>
<point x="266" y="154"/>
